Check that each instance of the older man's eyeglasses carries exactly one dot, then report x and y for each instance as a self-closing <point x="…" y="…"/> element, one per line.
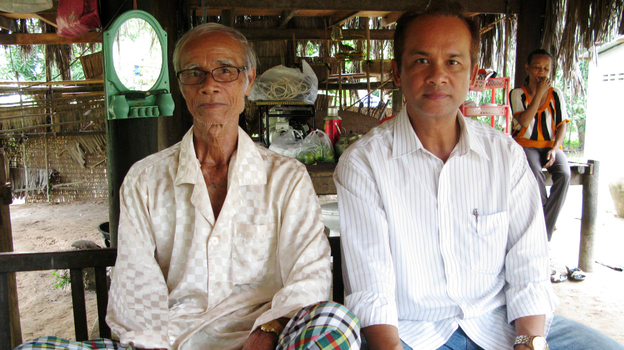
<point x="196" y="76"/>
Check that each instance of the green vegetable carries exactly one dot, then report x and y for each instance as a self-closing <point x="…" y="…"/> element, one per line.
<point x="308" y="158"/>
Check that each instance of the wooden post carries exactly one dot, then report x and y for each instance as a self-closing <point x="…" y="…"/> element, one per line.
<point x="6" y="245"/>
<point x="588" y="218"/>
<point x="529" y="34"/>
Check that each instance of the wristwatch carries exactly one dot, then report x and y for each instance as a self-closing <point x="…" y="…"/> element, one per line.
<point x="535" y="342"/>
<point x="272" y="327"/>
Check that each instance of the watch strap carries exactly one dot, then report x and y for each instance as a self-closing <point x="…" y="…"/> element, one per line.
<point x="272" y="327"/>
<point x="528" y="341"/>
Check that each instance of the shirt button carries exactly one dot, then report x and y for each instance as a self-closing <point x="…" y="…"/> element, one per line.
<point x="214" y="241"/>
<point x="439" y="169"/>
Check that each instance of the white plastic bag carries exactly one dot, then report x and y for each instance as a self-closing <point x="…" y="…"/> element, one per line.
<point x="289" y="143"/>
<point x="316" y="147"/>
<point x="281" y="83"/>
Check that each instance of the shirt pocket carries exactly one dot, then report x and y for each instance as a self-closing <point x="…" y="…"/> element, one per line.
<point x="253" y="253"/>
<point x="487" y="242"/>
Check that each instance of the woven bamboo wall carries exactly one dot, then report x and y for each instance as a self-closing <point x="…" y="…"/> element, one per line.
<point x="70" y="177"/>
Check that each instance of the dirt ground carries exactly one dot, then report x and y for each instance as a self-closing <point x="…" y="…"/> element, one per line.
<point x="598" y="301"/>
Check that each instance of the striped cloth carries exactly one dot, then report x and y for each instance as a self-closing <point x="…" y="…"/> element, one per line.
<point x="60" y="343"/>
<point x="323" y="326"/>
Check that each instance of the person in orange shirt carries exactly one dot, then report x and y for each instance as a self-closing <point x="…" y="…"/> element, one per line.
<point x="539" y="126"/>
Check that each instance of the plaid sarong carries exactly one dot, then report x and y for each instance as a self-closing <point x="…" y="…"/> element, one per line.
<point x="323" y="326"/>
<point x="60" y="343"/>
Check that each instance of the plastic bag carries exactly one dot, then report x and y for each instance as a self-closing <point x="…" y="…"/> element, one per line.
<point x="281" y="83"/>
<point x="316" y="147"/>
<point x="76" y="17"/>
<point x="288" y="143"/>
<point x="25" y="6"/>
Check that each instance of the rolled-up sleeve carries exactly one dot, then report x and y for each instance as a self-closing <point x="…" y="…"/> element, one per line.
<point x="528" y="290"/>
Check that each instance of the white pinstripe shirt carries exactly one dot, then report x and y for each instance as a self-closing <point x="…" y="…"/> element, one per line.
<point x="430" y="246"/>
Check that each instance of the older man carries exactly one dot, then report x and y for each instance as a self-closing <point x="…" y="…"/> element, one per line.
<point x="220" y="240"/>
<point x="441" y="220"/>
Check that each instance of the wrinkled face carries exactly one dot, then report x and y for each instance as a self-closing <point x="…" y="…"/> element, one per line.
<point x="213" y="102"/>
<point x="539" y="68"/>
<point x="436" y="72"/>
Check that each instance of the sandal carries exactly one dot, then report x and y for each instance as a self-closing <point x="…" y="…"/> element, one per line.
<point x="557" y="277"/>
<point x="576" y="274"/>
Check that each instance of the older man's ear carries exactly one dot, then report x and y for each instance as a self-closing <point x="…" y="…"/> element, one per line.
<point x="251" y="77"/>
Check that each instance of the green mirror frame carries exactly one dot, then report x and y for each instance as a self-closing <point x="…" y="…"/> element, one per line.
<point x="123" y="103"/>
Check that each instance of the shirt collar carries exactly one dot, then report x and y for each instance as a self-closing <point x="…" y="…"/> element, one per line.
<point x="405" y="139"/>
<point x="246" y="164"/>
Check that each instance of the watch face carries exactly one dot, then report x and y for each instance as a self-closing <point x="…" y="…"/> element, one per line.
<point x="539" y="343"/>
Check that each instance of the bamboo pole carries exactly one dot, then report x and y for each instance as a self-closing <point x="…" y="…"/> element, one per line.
<point x="23" y="147"/>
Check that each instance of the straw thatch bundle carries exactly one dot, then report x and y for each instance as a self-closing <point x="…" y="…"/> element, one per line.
<point x="574" y="27"/>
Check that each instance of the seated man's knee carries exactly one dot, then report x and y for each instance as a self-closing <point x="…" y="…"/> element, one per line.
<point x="324" y="325"/>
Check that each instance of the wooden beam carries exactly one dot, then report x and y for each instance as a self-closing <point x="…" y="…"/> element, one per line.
<point x="359" y="86"/>
<point x="390" y="18"/>
<point x="49" y="18"/>
<point x="253" y="34"/>
<point x="48" y="39"/>
<point x="227" y="17"/>
<point x="340" y="17"/>
<point x="480" y="6"/>
<point x="60" y="82"/>
<point x="287" y="15"/>
<point x="7" y="23"/>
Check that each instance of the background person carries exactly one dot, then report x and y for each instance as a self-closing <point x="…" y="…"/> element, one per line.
<point x="539" y="126"/>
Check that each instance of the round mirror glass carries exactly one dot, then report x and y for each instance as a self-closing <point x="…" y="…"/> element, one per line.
<point x="137" y="55"/>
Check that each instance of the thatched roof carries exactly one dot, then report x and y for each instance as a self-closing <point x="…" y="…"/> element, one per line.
<point x="574" y="28"/>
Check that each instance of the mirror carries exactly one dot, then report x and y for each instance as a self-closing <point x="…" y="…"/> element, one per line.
<point x="137" y="55"/>
<point x="136" y="68"/>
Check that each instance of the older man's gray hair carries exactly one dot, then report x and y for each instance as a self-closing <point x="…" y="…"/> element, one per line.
<point x="213" y="28"/>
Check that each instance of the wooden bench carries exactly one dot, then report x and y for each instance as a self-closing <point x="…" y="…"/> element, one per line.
<point x="75" y="261"/>
<point x="586" y="175"/>
<point x="99" y="259"/>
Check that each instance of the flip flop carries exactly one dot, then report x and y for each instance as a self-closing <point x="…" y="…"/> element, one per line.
<point x="576" y="274"/>
<point x="557" y="277"/>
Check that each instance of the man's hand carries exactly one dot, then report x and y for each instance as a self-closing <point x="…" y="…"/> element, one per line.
<point x="259" y="340"/>
<point x="382" y="336"/>
<point x="542" y="87"/>
<point x="521" y="347"/>
<point x="551" y="156"/>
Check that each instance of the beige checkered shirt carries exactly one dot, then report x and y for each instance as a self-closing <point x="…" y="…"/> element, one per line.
<point x="184" y="280"/>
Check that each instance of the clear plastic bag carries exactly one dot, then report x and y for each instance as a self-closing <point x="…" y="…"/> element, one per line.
<point x="289" y="143"/>
<point x="316" y="147"/>
<point x="281" y="83"/>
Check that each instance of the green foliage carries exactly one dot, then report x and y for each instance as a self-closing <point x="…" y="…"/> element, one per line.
<point x="32" y="66"/>
<point x="61" y="280"/>
<point x="577" y="107"/>
<point x="29" y="68"/>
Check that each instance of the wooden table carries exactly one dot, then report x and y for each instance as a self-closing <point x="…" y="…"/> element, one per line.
<point x="583" y="174"/>
<point x="322" y="178"/>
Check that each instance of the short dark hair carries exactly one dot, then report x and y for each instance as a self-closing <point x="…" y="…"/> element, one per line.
<point x="442" y="8"/>
<point x="539" y="52"/>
